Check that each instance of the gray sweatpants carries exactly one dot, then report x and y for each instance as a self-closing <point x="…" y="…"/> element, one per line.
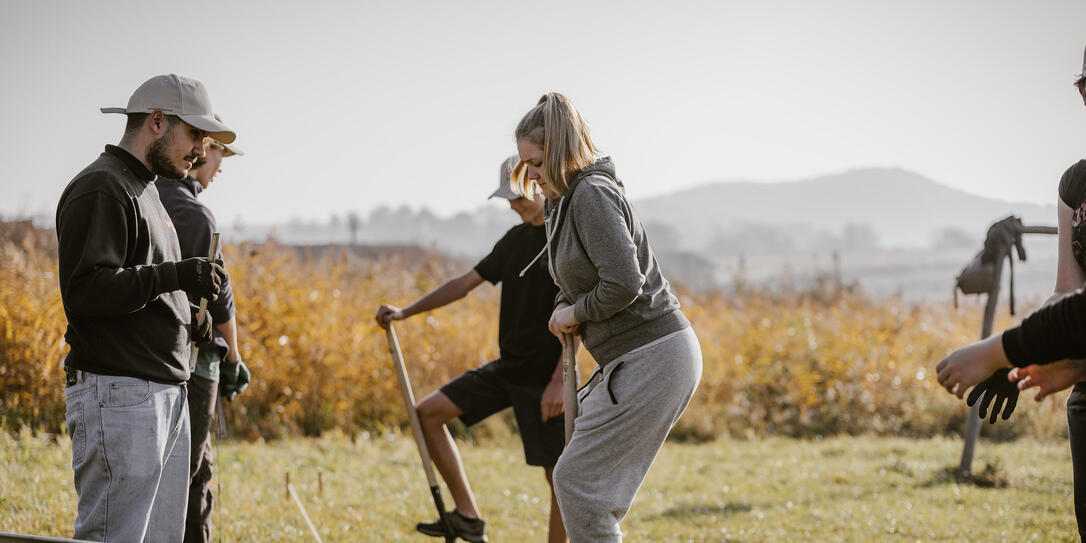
<point x="130" y="455"/>
<point x="627" y="410"/>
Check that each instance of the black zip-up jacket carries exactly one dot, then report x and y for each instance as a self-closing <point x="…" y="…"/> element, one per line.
<point x="117" y="253"/>
<point x="195" y="224"/>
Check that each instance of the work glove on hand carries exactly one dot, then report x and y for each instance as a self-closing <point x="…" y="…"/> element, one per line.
<point x="999" y="388"/>
<point x="200" y="332"/>
<point x="201" y="278"/>
<point x="233" y="379"/>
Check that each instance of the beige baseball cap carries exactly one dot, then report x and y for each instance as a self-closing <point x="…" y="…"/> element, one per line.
<point x="230" y="149"/>
<point x="184" y="97"/>
<point x="504" y="190"/>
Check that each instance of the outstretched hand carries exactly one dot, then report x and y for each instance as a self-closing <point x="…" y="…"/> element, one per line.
<point x="388" y="313"/>
<point x="1049" y="378"/>
<point x="971" y="364"/>
<point x="998" y="388"/>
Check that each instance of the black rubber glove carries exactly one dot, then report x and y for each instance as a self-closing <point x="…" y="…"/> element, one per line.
<point x="200" y="277"/>
<point x="200" y="331"/>
<point x="996" y="387"/>
<point x="233" y="379"/>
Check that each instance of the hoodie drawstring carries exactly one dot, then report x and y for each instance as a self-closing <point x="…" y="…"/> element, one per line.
<point x="550" y="236"/>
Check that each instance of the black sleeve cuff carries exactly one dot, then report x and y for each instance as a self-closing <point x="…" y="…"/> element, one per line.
<point x="167" y="277"/>
<point x="1013" y="348"/>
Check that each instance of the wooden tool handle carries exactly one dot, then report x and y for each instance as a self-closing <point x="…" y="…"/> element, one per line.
<point x="409" y="403"/>
<point x="570" y="380"/>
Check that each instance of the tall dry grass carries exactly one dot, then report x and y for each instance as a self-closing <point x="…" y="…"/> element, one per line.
<point x="818" y="362"/>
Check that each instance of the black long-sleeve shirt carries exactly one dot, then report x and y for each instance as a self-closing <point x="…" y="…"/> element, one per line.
<point x="1050" y="334"/>
<point x="117" y="252"/>
<point x="195" y="223"/>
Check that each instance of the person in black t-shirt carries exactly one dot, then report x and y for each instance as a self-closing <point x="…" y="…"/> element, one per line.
<point x="527" y="377"/>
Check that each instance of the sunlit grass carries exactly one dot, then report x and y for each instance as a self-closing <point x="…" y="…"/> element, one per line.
<point x="841" y="489"/>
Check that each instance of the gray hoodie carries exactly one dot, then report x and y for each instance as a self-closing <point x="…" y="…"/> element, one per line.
<point x="601" y="260"/>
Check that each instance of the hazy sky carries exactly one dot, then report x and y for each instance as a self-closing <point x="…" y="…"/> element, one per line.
<point x="350" y="105"/>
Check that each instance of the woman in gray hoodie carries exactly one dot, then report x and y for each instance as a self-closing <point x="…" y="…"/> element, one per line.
<point x="613" y="296"/>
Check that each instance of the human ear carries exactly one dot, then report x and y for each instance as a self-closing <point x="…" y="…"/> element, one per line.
<point x="158" y="122"/>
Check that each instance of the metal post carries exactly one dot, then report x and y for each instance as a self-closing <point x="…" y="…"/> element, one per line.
<point x="972" y="420"/>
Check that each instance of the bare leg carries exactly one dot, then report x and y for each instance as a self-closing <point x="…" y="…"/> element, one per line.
<point x="557" y="532"/>
<point x="434" y="411"/>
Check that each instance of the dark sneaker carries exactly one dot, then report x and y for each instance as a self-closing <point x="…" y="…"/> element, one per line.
<point x="468" y="529"/>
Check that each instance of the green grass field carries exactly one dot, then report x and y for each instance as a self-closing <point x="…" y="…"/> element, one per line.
<point x="841" y="489"/>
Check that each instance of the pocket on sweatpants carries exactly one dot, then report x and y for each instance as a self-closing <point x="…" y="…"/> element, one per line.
<point x="73" y="418"/>
<point x="602" y="404"/>
<point x="124" y="391"/>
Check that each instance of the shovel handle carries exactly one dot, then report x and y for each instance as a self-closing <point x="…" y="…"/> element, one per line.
<point x="570" y="380"/>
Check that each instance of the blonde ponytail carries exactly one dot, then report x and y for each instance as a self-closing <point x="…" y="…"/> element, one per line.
<point x="556" y="125"/>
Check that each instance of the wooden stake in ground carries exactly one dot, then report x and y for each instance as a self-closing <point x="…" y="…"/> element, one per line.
<point x="194" y="351"/>
<point x="416" y="428"/>
<point x="292" y="494"/>
<point x="570" y="380"/>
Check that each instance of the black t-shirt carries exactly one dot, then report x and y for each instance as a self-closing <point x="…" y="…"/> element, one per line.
<point x="529" y="352"/>
<point x="1073" y="193"/>
<point x="1056" y="332"/>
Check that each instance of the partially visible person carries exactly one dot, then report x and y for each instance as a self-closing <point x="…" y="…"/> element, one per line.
<point x="527" y="376"/>
<point x="614" y="296"/>
<point x="123" y="284"/>
<point x="1038" y="364"/>
<point x="195" y="223"/>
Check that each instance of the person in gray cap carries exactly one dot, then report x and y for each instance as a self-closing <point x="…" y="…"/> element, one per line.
<point x="195" y="223"/>
<point x="526" y="377"/>
<point x="123" y="283"/>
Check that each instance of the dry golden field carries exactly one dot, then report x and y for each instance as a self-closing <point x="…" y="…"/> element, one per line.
<point x="827" y="361"/>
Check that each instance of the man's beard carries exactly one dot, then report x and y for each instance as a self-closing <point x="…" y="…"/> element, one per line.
<point x="159" y="159"/>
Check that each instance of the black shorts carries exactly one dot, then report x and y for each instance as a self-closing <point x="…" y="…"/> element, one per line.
<point x="483" y="391"/>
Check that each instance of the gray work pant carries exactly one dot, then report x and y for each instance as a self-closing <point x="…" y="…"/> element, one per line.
<point x="627" y="409"/>
<point x="130" y="455"/>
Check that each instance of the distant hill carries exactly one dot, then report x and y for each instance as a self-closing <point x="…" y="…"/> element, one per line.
<point x="899" y="207"/>
<point x="893" y="230"/>
<point x="862" y="209"/>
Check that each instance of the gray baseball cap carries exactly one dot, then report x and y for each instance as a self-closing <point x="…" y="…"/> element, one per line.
<point x="504" y="190"/>
<point x="184" y="97"/>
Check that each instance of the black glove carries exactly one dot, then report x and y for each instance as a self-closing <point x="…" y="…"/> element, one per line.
<point x="1001" y="389"/>
<point x="201" y="278"/>
<point x="200" y="331"/>
<point x="233" y="379"/>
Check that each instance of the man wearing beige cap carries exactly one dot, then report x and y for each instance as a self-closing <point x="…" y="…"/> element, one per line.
<point x="124" y="284"/>
<point x="219" y="368"/>
<point x="527" y="376"/>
